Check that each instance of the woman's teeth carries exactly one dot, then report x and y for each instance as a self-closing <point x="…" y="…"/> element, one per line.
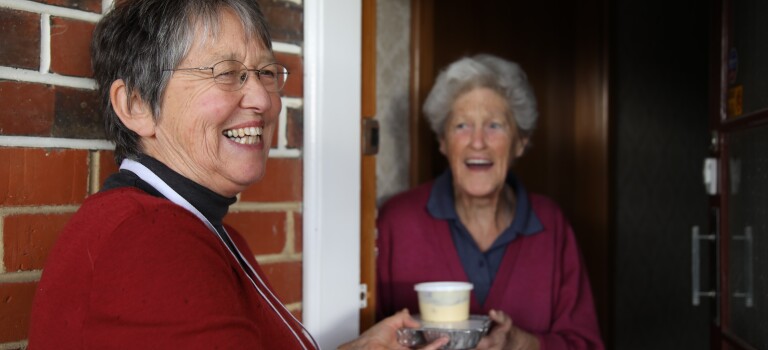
<point x="478" y="162"/>
<point x="244" y="136"/>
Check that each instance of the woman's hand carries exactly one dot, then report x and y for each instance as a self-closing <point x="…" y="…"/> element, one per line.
<point x="505" y="336"/>
<point x="383" y="335"/>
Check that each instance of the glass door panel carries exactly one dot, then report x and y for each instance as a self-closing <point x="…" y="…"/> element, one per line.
<point x="747" y="71"/>
<point x="747" y="222"/>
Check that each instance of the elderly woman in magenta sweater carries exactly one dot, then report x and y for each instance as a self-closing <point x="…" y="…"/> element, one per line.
<point x="476" y="222"/>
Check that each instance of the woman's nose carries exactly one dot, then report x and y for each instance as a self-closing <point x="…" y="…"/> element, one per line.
<point x="478" y="138"/>
<point x="255" y="96"/>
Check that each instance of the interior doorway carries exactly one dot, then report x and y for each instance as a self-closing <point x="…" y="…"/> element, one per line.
<point x="623" y="93"/>
<point x="562" y="47"/>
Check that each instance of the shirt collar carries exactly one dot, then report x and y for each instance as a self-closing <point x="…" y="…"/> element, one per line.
<point x="212" y="205"/>
<point x="441" y="205"/>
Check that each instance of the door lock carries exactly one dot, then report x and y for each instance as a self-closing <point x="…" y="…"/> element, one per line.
<point x="370" y="139"/>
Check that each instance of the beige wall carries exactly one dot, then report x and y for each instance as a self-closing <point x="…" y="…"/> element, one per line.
<point x="392" y="74"/>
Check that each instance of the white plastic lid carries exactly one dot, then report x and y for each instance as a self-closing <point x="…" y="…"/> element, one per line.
<point x="442" y="286"/>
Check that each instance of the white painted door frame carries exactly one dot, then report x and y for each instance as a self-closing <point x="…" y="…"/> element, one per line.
<point x="331" y="210"/>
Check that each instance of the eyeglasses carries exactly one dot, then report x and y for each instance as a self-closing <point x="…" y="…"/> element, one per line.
<point x="231" y="75"/>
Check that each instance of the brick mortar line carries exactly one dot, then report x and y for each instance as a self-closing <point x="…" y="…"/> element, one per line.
<point x="236" y="208"/>
<point x="45" y="43"/>
<point x="279" y="46"/>
<point x="290" y="234"/>
<point x="55" y="142"/>
<point x="34" y="275"/>
<point x="94" y="163"/>
<point x="282" y="125"/>
<point x="21" y="276"/>
<point x="2" y="245"/>
<point x="35" y="7"/>
<point x="285" y="153"/>
<point x="43" y="209"/>
<point x="291" y="307"/>
<point x="14" y="345"/>
<point x="278" y="258"/>
<point x="293" y="102"/>
<point x="240" y="207"/>
<point x="34" y="76"/>
<point x="297" y="2"/>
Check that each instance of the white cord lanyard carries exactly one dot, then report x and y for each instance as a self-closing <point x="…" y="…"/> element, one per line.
<point x="153" y="180"/>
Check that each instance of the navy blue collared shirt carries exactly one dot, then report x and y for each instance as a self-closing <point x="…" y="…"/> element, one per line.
<point x="481" y="267"/>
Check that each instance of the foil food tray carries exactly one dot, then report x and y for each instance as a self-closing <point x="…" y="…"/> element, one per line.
<point x="462" y="334"/>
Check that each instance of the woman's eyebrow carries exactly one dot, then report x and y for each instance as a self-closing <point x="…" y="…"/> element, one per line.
<point x="260" y="61"/>
<point x="223" y="57"/>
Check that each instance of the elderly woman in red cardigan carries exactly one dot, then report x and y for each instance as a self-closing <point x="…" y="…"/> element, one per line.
<point x="190" y="91"/>
<point x="476" y="222"/>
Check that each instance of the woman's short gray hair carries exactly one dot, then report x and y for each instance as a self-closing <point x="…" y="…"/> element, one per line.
<point x="140" y="40"/>
<point x="482" y="70"/>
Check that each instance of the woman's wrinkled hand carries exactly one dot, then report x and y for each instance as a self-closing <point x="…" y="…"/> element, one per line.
<point x="505" y="336"/>
<point x="383" y="335"/>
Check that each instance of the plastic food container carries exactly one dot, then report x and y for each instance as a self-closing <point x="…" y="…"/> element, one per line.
<point x="462" y="334"/>
<point x="444" y="301"/>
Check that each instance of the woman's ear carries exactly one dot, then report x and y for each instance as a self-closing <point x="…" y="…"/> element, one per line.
<point x="441" y="142"/>
<point x="131" y="109"/>
<point x="520" y="145"/>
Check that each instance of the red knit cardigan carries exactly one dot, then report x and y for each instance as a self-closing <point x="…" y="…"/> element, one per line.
<point x="133" y="271"/>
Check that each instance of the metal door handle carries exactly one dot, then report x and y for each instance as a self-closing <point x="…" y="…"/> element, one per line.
<point x="748" y="279"/>
<point x="696" y="266"/>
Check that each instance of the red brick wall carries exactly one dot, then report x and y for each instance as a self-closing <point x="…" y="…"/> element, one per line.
<point x="52" y="152"/>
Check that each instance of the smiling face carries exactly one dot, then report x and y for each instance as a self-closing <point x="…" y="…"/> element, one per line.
<point x="480" y="141"/>
<point x="219" y="139"/>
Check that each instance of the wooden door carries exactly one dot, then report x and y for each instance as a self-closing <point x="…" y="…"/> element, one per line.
<point x="740" y="128"/>
<point x="369" y="148"/>
<point x="561" y="45"/>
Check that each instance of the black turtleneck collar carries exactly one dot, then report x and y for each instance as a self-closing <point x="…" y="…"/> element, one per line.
<point x="212" y="205"/>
